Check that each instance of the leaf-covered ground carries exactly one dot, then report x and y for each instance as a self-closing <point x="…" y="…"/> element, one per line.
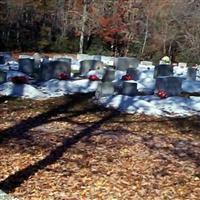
<point x="70" y="149"/>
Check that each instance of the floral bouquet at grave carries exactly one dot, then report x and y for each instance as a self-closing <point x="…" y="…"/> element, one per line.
<point x="162" y="94"/>
<point x="63" y="76"/>
<point x="19" y="79"/>
<point x="127" y="77"/>
<point x="93" y="77"/>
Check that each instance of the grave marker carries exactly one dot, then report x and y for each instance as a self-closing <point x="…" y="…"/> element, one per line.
<point x="123" y="63"/>
<point x="163" y="70"/>
<point x="3" y="77"/>
<point x="26" y="65"/>
<point x="104" y="89"/>
<point x="129" y="88"/>
<point x="192" y="73"/>
<point x="109" y="75"/>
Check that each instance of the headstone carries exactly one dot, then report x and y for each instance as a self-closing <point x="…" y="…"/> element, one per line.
<point x="146" y="63"/>
<point x="107" y="60"/>
<point x="123" y="63"/>
<point x="192" y="73"/>
<point x="109" y="75"/>
<point x="7" y="56"/>
<point x="133" y="72"/>
<point x="171" y="85"/>
<point x="26" y="65"/>
<point x="163" y="70"/>
<point x="2" y="60"/>
<point x="82" y="57"/>
<point x="182" y="64"/>
<point x="25" y="56"/>
<point x="62" y="66"/>
<point x="3" y="77"/>
<point x="51" y="69"/>
<point x="104" y="89"/>
<point x="37" y="59"/>
<point x="87" y="65"/>
<point x="129" y="88"/>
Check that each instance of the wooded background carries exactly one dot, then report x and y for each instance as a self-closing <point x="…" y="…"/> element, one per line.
<point x="147" y="29"/>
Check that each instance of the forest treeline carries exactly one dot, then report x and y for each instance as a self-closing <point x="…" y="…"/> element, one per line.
<point x="143" y="28"/>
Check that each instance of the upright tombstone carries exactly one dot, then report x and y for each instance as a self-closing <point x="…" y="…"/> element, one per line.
<point x="192" y="73"/>
<point x="182" y="64"/>
<point x="52" y="69"/>
<point x="129" y="88"/>
<point x="3" y="77"/>
<point x="163" y="70"/>
<point x="87" y="65"/>
<point x="123" y="63"/>
<point x="62" y="67"/>
<point x="104" y="89"/>
<point x="133" y="72"/>
<point x="37" y="59"/>
<point x="26" y="65"/>
<point x="107" y="60"/>
<point x="109" y="75"/>
<point x="146" y="63"/>
<point x="7" y="56"/>
<point x="171" y="85"/>
<point x="2" y="60"/>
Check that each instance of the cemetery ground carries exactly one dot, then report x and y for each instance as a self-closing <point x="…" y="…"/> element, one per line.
<point x="69" y="148"/>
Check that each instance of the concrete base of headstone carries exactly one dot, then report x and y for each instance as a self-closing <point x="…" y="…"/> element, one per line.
<point x="123" y="63"/>
<point x="133" y="72"/>
<point x="171" y="85"/>
<point x="191" y="73"/>
<point x="109" y="75"/>
<point x="87" y="65"/>
<point x="3" y="77"/>
<point x="163" y="70"/>
<point x="129" y="88"/>
<point x="104" y="89"/>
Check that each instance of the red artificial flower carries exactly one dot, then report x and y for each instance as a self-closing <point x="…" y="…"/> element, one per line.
<point x="162" y="94"/>
<point x="93" y="77"/>
<point x="63" y="76"/>
<point x="19" y="79"/>
<point x="127" y="77"/>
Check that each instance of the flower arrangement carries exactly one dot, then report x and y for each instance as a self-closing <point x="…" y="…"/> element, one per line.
<point x="127" y="77"/>
<point x="93" y="77"/>
<point x="19" y="79"/>
<point x="63" y="76"/>
<point x="162" y="94"/>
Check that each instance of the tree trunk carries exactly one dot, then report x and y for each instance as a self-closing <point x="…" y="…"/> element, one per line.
<point x="84" y="18"/>
<point x="146" y="35"/>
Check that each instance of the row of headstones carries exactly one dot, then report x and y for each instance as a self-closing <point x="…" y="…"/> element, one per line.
<point x="171" y="85"/>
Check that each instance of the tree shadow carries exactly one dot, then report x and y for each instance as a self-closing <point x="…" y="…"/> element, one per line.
<point x="15" y="180"/>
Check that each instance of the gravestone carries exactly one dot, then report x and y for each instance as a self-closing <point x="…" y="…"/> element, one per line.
<point x="123" y="63"/>
<point x="3" y="77"/>
<point x="192" y="73"/>
<point x="7" y="56"/>
<point x="146" y="63"/>
<point x="51" y="69"/>
<point x="87" y="65"/>
<point x="107" y="60"/>
<point x="37" y="58"/>
<point x="109" y="75"/>
<point x="171" y="85"/>
<point x="182" y="64"/>
<point x="25" y="56"/>
<point x="133" y="72"/>
<point x="26" y="65"/>
<point x="2" y="60"/>
<point x="82" y="57"/>
<point x="104" y="89"/>
<point x="129" y="88"/>
<point x="163" y="70"/>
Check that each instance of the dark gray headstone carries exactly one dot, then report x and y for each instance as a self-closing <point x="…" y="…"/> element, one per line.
<point x="123" y="63"/>
<point x="2" y="60"/>
<point x="129" y="88"/>
<point x="26" y="65"/>
<point x="133" y="72"/>
<point x="191" y="73"/>
<point x="109" y="75"/>
<point x="105" y="89"/>
<point x="171" y="85"/>
<point x="87" y="65"/>
<point x="3" y="77"/>
<point x="51" y="69"/>
<point x="7" y="56"/>
<point x="163" y="70"/>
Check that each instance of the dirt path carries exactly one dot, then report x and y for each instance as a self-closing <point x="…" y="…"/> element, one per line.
<point x="69" y="148"/>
